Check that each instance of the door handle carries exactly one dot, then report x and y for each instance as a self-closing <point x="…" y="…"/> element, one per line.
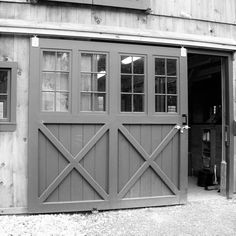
<point x="182" y="128"/>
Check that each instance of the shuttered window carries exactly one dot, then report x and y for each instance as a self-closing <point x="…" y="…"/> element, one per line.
<point x="131" y="4"/>
<point x="7" y="96"/>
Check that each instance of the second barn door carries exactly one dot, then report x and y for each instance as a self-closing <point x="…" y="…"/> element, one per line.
<point x="108" y="126"/>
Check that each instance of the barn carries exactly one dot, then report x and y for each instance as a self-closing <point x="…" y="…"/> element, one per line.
<point x="108" y="104"/>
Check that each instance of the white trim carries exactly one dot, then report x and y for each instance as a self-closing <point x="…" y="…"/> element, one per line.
<point x="115" y="33"/>
<point x="13" y="210"/>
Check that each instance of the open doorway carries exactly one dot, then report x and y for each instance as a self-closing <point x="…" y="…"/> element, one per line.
<point x="205" y="120"/>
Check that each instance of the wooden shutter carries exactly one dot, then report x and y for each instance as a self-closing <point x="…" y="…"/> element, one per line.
<point x="131" y="4"/>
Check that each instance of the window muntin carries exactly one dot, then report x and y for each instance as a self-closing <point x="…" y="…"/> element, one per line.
<point x="4" y="94"/>
<point x="132" y="77"/>
<point x="166" y="89"/>
<point x="55" y="90"/>
<point x="93" y="82"/>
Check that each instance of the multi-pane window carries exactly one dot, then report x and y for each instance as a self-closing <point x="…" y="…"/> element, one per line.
<point x="4" y="94"/>
<point x="8" y="71"/>
<point x="93" y="82"/>
<point x="166" y="92"/>
<point x="132" y="83"/>
<point x="55" y="81"/>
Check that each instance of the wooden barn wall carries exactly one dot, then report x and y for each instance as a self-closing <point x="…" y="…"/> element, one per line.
<point x="196" y="17"/>
<point x="13" y="145"/>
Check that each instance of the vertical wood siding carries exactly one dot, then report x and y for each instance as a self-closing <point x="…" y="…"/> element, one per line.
<point x="13" y="146"/>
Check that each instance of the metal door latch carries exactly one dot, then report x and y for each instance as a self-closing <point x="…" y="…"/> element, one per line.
<point x="182" y="128"/>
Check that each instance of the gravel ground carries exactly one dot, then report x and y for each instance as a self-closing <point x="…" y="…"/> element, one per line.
<point x="209" y="217"/>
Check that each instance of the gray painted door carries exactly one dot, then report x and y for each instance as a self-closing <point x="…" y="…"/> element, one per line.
<point x="105" y="126"/>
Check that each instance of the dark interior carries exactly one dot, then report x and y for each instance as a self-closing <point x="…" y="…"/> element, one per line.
<point x="205" y="118"/>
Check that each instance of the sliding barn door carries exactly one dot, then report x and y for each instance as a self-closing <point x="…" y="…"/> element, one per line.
<point x="106" y="126"/>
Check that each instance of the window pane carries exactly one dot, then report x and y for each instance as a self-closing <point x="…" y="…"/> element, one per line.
<point x="86" y="62"/>
<point x="159" y="66"/>
<point x="86" y="102"/>
<point x="126" y="104"/>
<point x="126" y="83"/>
<point x="49" y="61"/>
<point x="62" y="63"/>
<point x="138" y="64"/>
<point x="171" y="85"/>
<point x="160" y="85"/>
<point x="62" y="81"/>
<point x="48" y="101"/>
<point x="160" y="103"/>
<point x="126" y="64"/>
<point x="62" y="102"/>
<point x="138" y="84"/>
<point x="172" y="103"/>
<point x="3" y="106"/>
<point x="3" y="81"/>
<point x="100" y="82"/>
<point x="171" y="66"/>
<point x="99" y="102"/>
<point x="138" y="103"/>
<point x="48" y="83"/>
<point x="101" y="61"/>
<point x="86" y="82"/>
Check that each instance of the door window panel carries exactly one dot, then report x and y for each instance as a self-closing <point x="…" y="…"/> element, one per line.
<point x="160" y="103"/>
<point x="49" y="61"/>
<point x="138" y="84"/>
<point x="86" y="82"/>
<point x="48" y="100"/>
<point x="160" y="85"/>
<point x="160" y="66"/>
<point x="166" y="89"/>
<point x="138" y="65"/>
<point x="93" y="87"/>
<point x="126" y="64"/>
<point x="100" y="82"/>
<point x="171" y="85"/>
<point x="171" y="103"/>
<point x="126" y="103"/>
<point x="86" y="101"/>
<point x="138" y="101"/>
<point x="126" y="83"/>
<point x="132" y="83"/>
<point x="171" y="67"/>
<point x="55" y="81"/>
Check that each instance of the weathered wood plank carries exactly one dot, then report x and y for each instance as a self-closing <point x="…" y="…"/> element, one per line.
<point x="20" y="158"/>
<point x="146" y="142"/>
<point x="88" y="161"/>
<point x="123" y="168"/>
<point x="64" y="189"/>
<point x="52" y="156"/>
<point x="101" y="161"/>
<point x="156" y="140"/>
<point x="42" y="162"/>
<point x="76" y="146"/>
<point x="135" y="161"/>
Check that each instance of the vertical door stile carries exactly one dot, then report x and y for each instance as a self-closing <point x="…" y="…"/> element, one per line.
<point x="227" y="69"/>
<point x="113" y="131"/>
<point x="33" y="175"/>
<point x="183" y="157"/>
